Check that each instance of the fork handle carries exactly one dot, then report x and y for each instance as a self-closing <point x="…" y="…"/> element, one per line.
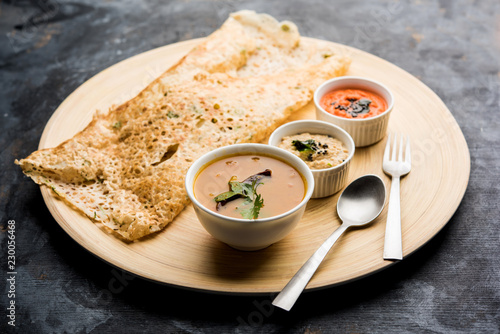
<point x="393" y="246"/>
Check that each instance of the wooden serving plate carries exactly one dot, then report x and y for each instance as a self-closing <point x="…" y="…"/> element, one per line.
<point x="185" y="255"/>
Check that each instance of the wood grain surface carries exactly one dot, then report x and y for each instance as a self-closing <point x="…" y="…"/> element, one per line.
<point x="185" y="255"/>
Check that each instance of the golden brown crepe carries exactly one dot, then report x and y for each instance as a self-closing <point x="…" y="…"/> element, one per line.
<point x="126" y="169"/>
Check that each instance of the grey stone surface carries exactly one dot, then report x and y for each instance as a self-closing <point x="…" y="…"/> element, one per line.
<point x="451" y="285"/>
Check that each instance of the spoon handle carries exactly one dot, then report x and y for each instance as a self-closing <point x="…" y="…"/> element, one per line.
<point x="287" y="297"/>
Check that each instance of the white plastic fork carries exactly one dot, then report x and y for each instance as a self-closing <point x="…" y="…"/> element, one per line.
<point x="393" y="245"/>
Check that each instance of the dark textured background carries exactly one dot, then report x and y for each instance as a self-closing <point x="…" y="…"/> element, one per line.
<point x="451" y="285"/>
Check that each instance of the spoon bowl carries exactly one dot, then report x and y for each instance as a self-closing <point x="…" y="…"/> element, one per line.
<point x="362" y="201"/>
<point x="359" y="204"/>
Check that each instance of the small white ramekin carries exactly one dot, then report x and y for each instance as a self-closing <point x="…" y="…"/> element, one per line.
<point x="365" y="131"/>
<point x="245" y="234"/>
<point x="327" y="181"/>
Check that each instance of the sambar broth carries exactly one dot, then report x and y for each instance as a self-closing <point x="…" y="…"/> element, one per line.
<point x="280" y="192"/>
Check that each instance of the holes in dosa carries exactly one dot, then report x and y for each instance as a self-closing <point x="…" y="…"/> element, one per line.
<point x="124" y="136"/>
<point x="200" y="123"/>
<point x="167" y="155"/>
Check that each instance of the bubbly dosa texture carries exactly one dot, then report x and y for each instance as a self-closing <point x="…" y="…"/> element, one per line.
<point x="126" y="169"/>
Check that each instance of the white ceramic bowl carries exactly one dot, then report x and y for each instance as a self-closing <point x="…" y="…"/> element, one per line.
<point x="327" y="181"/>
<point x="242" y="233"/>
<point x="365" y="131"/>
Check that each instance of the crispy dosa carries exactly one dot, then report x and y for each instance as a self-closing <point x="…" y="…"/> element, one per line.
<point x="126" y="169"/>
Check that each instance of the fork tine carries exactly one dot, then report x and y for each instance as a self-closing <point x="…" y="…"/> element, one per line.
<point x="387" y="147"/>
<point x="408" y="153"/>
<point x="394" y="147"/>
<point x="401" y="143"/>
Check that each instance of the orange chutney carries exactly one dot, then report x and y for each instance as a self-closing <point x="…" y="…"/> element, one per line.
<point x="353" y="103"/>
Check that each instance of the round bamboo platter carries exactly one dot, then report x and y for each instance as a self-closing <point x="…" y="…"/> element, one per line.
<point x="185" y="255"/>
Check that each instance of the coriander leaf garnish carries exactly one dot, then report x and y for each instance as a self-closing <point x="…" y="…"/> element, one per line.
<point x="253" y="211"/>
<point x="246" y="189"/>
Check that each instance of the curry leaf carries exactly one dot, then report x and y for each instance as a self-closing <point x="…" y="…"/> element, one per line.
<point x="306" y="148"/>
<point x="225" y="196"/>
<point x="304" y="145"/>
